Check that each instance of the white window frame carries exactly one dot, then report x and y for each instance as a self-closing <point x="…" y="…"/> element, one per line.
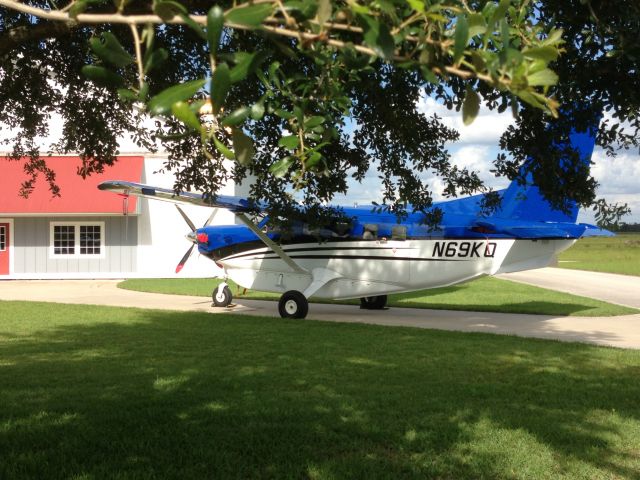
<point x="76" y="230"/>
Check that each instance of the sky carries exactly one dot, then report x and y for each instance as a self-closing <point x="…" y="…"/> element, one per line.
<point x="477" y="147"/>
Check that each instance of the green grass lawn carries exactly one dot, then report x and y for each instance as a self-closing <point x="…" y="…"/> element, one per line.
<point x="486" y="295"/>
<point x="619" y="254"/>
<point x="94" y="392"/>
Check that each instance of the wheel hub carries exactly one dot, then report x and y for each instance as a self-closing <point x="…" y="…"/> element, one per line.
<point x="291" y="307"/>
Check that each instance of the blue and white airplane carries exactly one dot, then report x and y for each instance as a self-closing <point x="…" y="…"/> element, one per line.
<point x="374" y="255"/>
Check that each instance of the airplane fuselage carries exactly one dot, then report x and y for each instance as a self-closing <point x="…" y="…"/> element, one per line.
<point x="376" y="267"/>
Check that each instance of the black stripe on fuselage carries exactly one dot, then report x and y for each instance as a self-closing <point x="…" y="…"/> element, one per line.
<point x="311" y="249"/>
<point x="351" y="257"/>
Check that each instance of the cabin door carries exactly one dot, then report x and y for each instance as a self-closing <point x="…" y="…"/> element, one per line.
<point x="4" y="248"/>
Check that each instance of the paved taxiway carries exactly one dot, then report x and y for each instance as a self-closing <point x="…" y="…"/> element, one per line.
<point x="623" y="331"/>
<point x="620" y="289"/>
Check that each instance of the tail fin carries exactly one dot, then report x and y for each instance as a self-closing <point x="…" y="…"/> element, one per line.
<point x="525" y="202"/>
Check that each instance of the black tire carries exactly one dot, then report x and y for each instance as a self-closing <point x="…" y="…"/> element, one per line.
<point x="293" y="304"/>
<point x="223" y="298"/>
<point x="373" y="303"/>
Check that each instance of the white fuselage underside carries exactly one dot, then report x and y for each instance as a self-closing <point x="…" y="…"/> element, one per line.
<point x="378" y="267"/>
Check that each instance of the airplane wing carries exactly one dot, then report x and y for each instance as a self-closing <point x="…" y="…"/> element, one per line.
<point x="234" y="204"/>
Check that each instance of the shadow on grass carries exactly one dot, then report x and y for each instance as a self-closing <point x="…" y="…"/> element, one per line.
<point x="161" y="394"/>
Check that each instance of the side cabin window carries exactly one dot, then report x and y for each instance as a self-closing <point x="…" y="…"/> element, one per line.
<point x="399" y="232"/>
<point x="370" y="231"/>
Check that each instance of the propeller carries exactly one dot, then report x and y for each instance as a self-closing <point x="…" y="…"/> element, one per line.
<point x="192" y="235"/>
<point x="186" y="219"/>
<point x="184" y="259"/>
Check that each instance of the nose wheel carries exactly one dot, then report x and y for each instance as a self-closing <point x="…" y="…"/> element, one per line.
<point x="293" y="304"/>
<point x="222" y="296"/>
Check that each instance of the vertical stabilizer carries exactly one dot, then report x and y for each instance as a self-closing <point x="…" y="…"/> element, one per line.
<point x="525" y="202"/>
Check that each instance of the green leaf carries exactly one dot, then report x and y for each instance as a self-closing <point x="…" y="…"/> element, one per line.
<point x="257" y="111"/>
<point x="324" y="11"/>
<point x="167" y="9"/>
<point x="358" y="9"/>
<point x="215" y="23"/>
<point x="156" y="59"/>
<point x="543" y="78"/>
<point x="244" y="66"/>
<point x="530" y="99"/>
<point x="504" y="32"/>
<point x="162" y="102"/>
<point x="499" y="12"/>
<point x="314" y="121"/>
<point x="428" y="75"/>
<point x="251" y="16"/>
<point x="102" y="77"/>
<point x="77" y="8"/>
<point x="312" y="159"/>
<point x="281" y="167"/>
<point x="109" y="49"/>
<point x="220" y="84"/>
<point x="182" y="112"/>
<point x="417" y="5"/>
<point x="546" y="53"/>
<point x="554" y="37"/>
<point x="477" y="24"/>
<point x="144" y="92"/>
<point x="243" y="146"/>
<point x="127" y="95"/>
<point x="377" y="36"/>
<point x="222" y="148"/>
<point x="461" y="38"/>
<point x="470" y="107"/>
<point x="290" y="142"/>
<point x="236" y="117"/>
<point x="306" y="8"/>
<point x="283" y="114"/>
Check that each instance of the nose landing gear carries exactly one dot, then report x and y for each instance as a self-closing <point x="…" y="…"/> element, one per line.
<point x="221" y="295"/>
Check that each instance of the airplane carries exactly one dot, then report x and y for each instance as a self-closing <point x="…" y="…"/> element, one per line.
<point x="373" y="255"/>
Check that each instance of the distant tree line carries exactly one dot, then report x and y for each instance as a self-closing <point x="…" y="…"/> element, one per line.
<point x="628" y="227"/>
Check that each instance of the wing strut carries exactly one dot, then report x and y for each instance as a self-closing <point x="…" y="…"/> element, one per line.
<point x="270" y="243"/>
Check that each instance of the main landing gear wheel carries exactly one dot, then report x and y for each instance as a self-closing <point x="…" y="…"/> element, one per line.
<point x="373" y="303"/>
<point x="222" y="297"/>
<point x="293" y="304"/>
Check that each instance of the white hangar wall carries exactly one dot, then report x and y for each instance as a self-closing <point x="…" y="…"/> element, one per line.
<point x="162" y="230"/>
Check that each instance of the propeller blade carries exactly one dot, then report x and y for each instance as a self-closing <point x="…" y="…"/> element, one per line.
<point x="184" y="259"/>
<point x="186" y="219"/>
<point x="210" y="219"/>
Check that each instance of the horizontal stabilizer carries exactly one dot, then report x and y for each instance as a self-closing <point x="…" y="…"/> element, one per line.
<point x="594" y="231"/>
<point x="531" y="230"/>
<point x="234" y="204"/>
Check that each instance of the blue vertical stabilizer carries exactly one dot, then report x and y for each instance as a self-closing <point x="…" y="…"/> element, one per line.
<point x="525" y="202"/>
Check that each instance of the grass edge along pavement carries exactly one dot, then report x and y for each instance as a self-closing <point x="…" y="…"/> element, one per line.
<point x="484" y="295"/>
<point x="106" y="392"/>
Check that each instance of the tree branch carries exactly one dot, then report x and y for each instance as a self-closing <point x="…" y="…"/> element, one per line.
<point x="17" y="36"/>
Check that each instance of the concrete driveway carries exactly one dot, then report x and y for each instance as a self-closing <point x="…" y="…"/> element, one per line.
<point x="620" y="289"/>
<point x="621" y="331"/>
